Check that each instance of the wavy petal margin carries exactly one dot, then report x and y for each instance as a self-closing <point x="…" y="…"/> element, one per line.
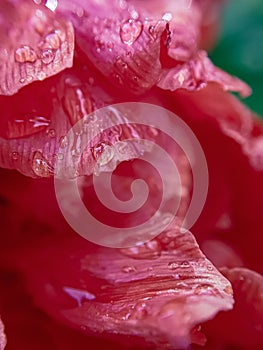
<point x="157" y="293"/>
<point x="132" y="42"/>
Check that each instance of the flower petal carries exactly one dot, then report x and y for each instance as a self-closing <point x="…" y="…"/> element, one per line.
<point x="158" y="296"/>
<point x="196" y="73"/>
<point x="35" y="46"/>
<point x="2" y="336"/>
<point x="131" y="43"/>
<point x="243" y="326"/>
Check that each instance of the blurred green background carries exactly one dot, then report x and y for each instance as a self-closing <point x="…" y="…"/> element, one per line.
<point x="240" y="46"/>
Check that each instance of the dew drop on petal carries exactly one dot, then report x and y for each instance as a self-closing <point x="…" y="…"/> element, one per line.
<point x="128" y="269"/>
<point x="15" y="155"/>
<point x="63" y="142"/>
<point x="167" y="17"/>
<point x="185" y="264"/>
<point x="53" y="40"/>
<point x="172" y="265"/>
<point x="130" y="31"/>
<point x="98" y="149"/>
<point x="25" y="54"/>
<point x="40" y="165"/>
<point x="139" y="312"/>
<point x="106" y="156"/>
<point x="110" y="45"/>
<point x="47" y="56"/>
<point x="51" y="133"/>
<point x="41" y="76"/>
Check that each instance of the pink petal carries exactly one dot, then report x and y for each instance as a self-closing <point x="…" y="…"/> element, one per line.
<point x="34" y="44"/>
<point x="196" y="73"/>
<point x="2" y="336"/>
<point x="243" y="326"/>
<point x="159" y="296"/>
<point x="132" y="43"/>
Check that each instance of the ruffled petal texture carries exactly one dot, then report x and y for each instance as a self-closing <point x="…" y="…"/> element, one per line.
<point x="39" y="45"/>
<point x="156" y="293"/>
<point x="133" y="42"/>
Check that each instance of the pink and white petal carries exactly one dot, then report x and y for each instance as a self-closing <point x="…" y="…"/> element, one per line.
<point x="196" y="73"/>
<point x="34" y="44"/>
<point x="124" y="39"/>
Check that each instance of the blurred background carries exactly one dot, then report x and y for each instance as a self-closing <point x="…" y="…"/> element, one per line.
<point x="239" y="50"/>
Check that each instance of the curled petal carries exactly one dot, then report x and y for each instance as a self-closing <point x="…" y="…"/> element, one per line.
<point x="133" y="42"/>
<point x="157" y="292"/>
<point x="36" y="45"/>
<point x="196" y="73"/>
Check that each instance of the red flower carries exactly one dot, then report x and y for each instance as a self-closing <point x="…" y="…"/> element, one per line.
<point x="60" y="291"/>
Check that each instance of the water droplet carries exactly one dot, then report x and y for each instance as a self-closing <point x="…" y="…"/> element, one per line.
<point x="51" y="4"/>
<point x="25" y="54"/>
<point x="185" y="264"/>
<point x="63" y="142"/>
<point x="53" y="40"/>
<point x="41" y="76"/>
<point x="99" y="45"/>
<point x="99" y="149"/>
<point x="167" y="17"/>
<point x="51" y="133"/>
<point x="210" y="268"/>
<point x="29" y="78"/>
<point x="148" y="250"/>
<point x="106" y="156"/>
<point x="110" y="45"/>
<point x="151" y="30"/>
<point x="22" y="80"/>
<point x="79" y="11"/>
<point x="75" y="152"/>
<point x="15" y="155"/>
<point x="60" y="156"/>
<point x="172" y="265"/>
<point x="128" y="269"/>
<point x="130" y="31"/>
<point x="228" y="290"/>
<point x="40" y="165"/>
<point x="61" y="34"/>
<point x="140" y="311"/>
<point x="204" y="289"/>
<point x="118" y="78"/>
<point x="47" y="56"/>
